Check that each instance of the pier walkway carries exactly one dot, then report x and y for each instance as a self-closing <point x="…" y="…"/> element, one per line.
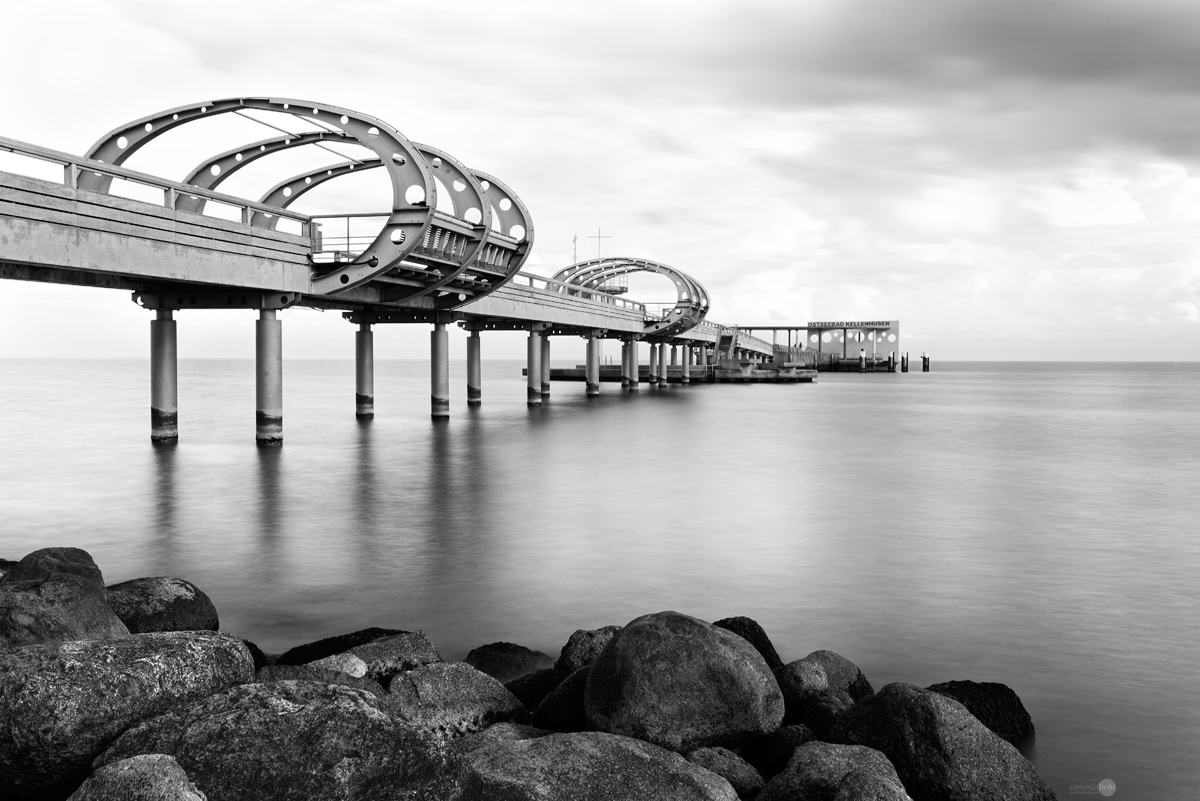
<point x="184" y="244"/>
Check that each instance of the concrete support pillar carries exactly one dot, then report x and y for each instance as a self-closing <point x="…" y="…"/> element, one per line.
<point x="164" y="379"/>
<point x="474" y="371"/>
<point x="904" y="362"/>
<point x="439" y="372"/>
<point x="662" y="364"/>
<point x="674" y="355"/>
<point x="653" y="375"/>
<point x="364" y="372"/>
<point x="545" y="365"/>
<point x="634" y="369"/>
<point x="268" y="357"/>
<point x="625" y="364"/>
<point x="924" y="362"/>
<point x="533" y="369"/>
<point x="592" y="373"/>
<point x="685" y="372"/>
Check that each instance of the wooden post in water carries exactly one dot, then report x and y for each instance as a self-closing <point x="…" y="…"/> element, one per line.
<point x="924" y="362"/>
<point x="862" y="360"/>
<point x="904" y="362"/>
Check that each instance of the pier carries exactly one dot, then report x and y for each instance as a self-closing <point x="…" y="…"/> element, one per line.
<point x="412" y="263"/>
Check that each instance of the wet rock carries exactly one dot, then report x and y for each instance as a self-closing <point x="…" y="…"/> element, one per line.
<point x="996" y="706"/>
<point x="507" y="661"/>
<point x="5" y="566"/>
<point x="162" y="604"/>
<point x="499" y="733"/>
<point x="310" y="652"/>
<point x="47" y="562"/>
<point x="62" y="703"/>
<point x="681" y="683"/>
<point x="310" y="672"/>
<point x="261" y="660"/>
<point x="939" y="749"/>
<point x="531" y="689"/>
<point x="587" y="766"/>
<point x="818" y="673"/>
<point x="770" y="755"/>
<point x="836" y="772"/>
<point x="58" y="608"/>
<point x="302" y="740"/>
<point x="748" y="629"/>
<point x="582" y="648"/>
<point x="740" y="774"/>
<point x="451" y="699"/>
<point x="562" y="709"/>
<point x="150" y="777"/>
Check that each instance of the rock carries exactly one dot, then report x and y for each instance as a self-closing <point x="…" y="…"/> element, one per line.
<point x="582" y="648"/>
<point x="996" y="706"/>
<point x="395" y="653"/>
<point x="822" y="711"/>
<point x="58" y="608"/>
<point x="450" y="699"/>
<point x="499" y="733"/>
<point x="162" y="604"/>
<point x="5" y="566"/>
<point x="310" y="672"/>
<point x="681" y="683"/>
<point x="531" y="689"/>
<point x="748" y="629"/>
<point x="346" y="663"/>
<point x="819" y="672"/>
<point x="562" y="709"/>
<point x="740" y="774"/>
<point x="310" y="652"/>
<point x="47" y="562"/>
<point x="62" y="703"/>
<point x="587" y="766"/>
<point x="260" y="659"/>
<point x="151" y="777"/>
<point x="295" y="741"/>
<point x="836" y="772"/>
<point x="770" y="755"/>
<point x="507" y="661"/>
<point x="939" y="749"/>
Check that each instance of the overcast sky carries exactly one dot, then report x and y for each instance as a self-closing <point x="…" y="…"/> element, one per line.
<point x="1008" y="178"/>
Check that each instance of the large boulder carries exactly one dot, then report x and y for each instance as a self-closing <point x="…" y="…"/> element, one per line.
<point x="770" y="755"/>
<point x="295" y="741"/>
<point x="150" y="777"/>
<point x="562" y="709"/>
<point x="996" y="705"/>
<point x="311" y="673"/>
<point x="506" y="661"/>
<point x="940" y="750"/>
<point x="162" y="604"/>
<point x="681" y="683"/>
<point x="748" y="629"/>
<point x="395" y="653"/>
<point x="741" y="775"/>
<point x="587" y="766"/>
<point x="56" y="608"/>
<point x="821" y="673"/>
<point x="842" y="772"/>
<point x="531" y="689"/>
<point x="47" y="562"/>
<point x="500" y="733"/>
<point x="451" y="699"/>
<point x="61" y="703"/>
<point x="582" y="648"/>
<point x="312" y="651"/>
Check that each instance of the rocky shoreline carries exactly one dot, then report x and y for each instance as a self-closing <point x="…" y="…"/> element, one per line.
<point x="130" y="692"/>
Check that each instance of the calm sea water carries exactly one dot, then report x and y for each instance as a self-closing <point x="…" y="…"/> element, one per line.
<point x="1033" y="524"/>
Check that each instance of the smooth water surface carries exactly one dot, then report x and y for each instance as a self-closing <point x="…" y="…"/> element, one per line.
<point x="1033" y="524"/>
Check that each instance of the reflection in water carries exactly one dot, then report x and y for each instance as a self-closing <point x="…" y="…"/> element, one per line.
<point x="366" y="498"/>
<point x="270" y="514"/>
<point x="164" y="507"/>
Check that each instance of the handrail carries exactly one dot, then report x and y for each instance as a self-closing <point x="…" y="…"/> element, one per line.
<point x="75" y="164"/>
<point x="585" y="294"/>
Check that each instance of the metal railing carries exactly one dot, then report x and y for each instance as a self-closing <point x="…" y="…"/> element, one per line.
<point x="73" y="166"/>
<point x="573" y="290"/>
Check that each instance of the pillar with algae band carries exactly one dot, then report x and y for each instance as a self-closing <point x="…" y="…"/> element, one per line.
<point x="439" y="372"/>
<point x="164" y="379"/>
<point x="268" y="353"/>
<point x="474" y="371"/>
<point x="364" y="372"/>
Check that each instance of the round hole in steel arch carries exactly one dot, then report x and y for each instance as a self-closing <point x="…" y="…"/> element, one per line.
<point x="436" y="163"/>
<point x="473" y="215"/>
<point x="373" y="133"/>
<point x="398" y="157"/>
<point x="486" y="186"/>
<point x="459" y="186"/>
<point x="287" y="191"/>
<point x="148" y="127"/>
<point x="215" y="169"/>
<point x="122" y="142"/>
<point x="344" y="119"/>
<point x="414" y="194"/>
<point x="345" y="279"/>
<point x="517" y="232"/>
<point x="398" y="236"/>
<point x="238" y="157"/>
<point x="505" y="204"/>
